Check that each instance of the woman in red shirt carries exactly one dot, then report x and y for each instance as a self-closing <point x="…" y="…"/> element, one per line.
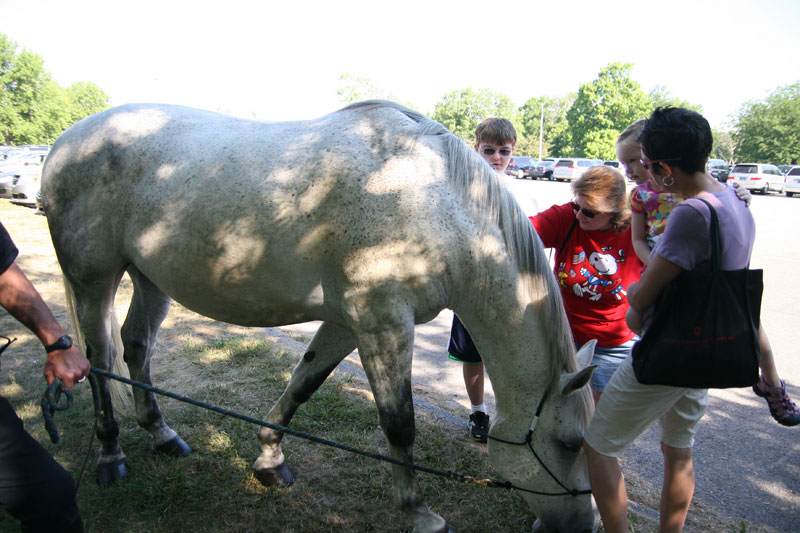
<point x="595" y="263"/>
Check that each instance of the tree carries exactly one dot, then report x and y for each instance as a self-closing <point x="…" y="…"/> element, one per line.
<point x="660" y="97"/>
<point x="556" y="138"/>
<point x="766" y="131"/>
<point x="461" y="111"/>
<point x="724" y="145"/>
<point x="603" y="109"/>
<point x="358" y="88"/>
<point x="34" y="109"/>
<point x="86" y="99"/>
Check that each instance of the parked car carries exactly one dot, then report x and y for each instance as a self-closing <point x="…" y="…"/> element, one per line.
<point x="520" y="166"/>
<point x="785" y="168"/>
<point x="792" y="184"/>
<point x="19" y="160"/>
<point x="572" y="168"/>
<point x="544" y="169"/>
<point x="6" y="180"/>
<point x="616" y="164"/>
<point x="719" y="169"/>
<point x="759" y="177"/>
<point x="25" y="185"/>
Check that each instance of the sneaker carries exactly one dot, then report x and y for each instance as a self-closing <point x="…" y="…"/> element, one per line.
<point x="478" y="426"/>
<point x="781" y="407"/>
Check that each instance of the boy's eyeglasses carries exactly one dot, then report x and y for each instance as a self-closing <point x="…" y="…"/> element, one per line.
<point x="490" y="151"/>
<point x="588" y="213"/>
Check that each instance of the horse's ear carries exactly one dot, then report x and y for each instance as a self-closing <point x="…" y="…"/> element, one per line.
<point x="577" y="380"/>
<point x="585" y="354"/>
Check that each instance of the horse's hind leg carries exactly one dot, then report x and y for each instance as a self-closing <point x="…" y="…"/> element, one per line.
<point x="330" y="345"/>
<point x="148" y="308"/>
<point x="93" y="305"/>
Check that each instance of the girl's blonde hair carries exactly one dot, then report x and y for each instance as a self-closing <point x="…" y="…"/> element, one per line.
<point x="631" y="133"/>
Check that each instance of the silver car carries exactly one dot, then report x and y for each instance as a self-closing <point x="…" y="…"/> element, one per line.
<point x="572" y="168"/>
<point x="792" y="184"/>
<point x="25" y="185"/>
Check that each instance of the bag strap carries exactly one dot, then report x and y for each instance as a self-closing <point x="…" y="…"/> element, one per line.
<point x="569" y="233"/>
<point x="716" y="245"/>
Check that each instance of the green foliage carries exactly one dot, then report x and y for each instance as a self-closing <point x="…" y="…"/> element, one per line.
<point x="660" y="97"/>
<point x="766" y="130"/>
<point x="603" y="109"/>
<point x="358" y="88"/>
<point x="555" y="128"/>
<point x="724" y="146"/>
<point x="461" y="111"/>
<point x="34" y="109"/>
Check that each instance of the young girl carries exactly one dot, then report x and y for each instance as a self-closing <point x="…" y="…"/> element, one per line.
<point x="650" y="209"/>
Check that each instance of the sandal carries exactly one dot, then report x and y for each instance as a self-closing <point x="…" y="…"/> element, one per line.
<point x="781" y="407"/>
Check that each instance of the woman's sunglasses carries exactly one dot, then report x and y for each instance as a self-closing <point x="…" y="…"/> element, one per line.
<point x="490" y="151"/>
<point x="647" y="162"/>
<point x="588" y="213"/>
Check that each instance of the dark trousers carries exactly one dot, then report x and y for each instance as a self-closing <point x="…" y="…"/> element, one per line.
<point x="34" y="488"/>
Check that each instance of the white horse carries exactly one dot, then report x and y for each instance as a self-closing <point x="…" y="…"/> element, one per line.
<point x="372" y="219"/>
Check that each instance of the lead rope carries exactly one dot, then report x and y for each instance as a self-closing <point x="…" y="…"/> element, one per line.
<point x="448" y="474"/>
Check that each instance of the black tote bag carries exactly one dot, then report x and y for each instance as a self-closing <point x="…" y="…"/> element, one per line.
<point x="704" y="332"/>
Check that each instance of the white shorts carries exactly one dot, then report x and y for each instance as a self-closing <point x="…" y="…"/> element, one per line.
<point x="627" y="408"/>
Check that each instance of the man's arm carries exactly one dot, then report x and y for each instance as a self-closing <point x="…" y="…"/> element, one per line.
<point x="23" y="301"/>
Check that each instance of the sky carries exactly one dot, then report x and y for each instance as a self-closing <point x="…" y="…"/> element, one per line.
<point x="282" y="60"/>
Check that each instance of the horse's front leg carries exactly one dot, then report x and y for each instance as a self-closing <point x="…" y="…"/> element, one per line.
<point x="386" y="356"/>
<point x="329" y="346"/>
<point x="149" y="306"/>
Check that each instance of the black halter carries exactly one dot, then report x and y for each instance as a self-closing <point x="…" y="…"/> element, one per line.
<point x="529" y="441"/>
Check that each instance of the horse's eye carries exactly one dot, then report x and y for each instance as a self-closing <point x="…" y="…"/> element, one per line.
<point x="571" y="446"/>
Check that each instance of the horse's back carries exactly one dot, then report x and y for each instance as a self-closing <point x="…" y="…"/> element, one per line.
<point x="269" y="214"/>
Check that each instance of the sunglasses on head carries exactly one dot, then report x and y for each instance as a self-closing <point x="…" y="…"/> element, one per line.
<point x="588" y="213"/>
<point x="490" y="151"/>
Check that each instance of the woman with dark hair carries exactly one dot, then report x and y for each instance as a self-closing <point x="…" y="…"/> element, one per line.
<point x="595" y="264"/>
<point x="675" y="144"/>
<point x="650" y="211"/>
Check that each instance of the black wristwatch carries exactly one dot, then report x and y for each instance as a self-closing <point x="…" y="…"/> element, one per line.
<point x="63" y="342"/>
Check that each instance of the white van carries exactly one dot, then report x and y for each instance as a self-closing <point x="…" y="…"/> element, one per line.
<point x="757" y="177"/>
<point x="570" y="169"/>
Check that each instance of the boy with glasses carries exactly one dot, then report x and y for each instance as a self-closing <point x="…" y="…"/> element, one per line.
<point x="494" y="141"/>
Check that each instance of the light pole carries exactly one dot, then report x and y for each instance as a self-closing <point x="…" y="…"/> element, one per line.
<point x="541" y="131"/>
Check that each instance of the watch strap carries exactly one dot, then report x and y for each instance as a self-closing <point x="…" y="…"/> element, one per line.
<point x="63" y="342"/>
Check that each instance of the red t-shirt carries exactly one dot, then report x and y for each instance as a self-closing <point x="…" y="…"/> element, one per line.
<point x="594" y="270"/>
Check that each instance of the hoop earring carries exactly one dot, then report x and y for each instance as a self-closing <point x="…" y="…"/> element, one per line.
<point x="671" y="181"/>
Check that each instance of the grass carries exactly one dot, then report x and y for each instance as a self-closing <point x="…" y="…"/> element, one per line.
<point x="214" y="488"/>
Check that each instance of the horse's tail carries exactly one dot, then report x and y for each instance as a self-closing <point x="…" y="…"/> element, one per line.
<point x="121" y="394"/>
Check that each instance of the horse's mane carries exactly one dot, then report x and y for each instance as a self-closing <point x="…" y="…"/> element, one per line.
<point x="479" y="186"/>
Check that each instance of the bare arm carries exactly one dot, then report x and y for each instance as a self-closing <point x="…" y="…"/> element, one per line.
<point x="639" y="237"/>
<point x="646" y="291"/>
<point x="23" y="301"/>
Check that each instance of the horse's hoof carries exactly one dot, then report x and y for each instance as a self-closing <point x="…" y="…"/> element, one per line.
<point x="174" y="448"/>
<point x="280" y="475"/>
<point x="110" y="473"/>
<point x="444" y="529"/>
